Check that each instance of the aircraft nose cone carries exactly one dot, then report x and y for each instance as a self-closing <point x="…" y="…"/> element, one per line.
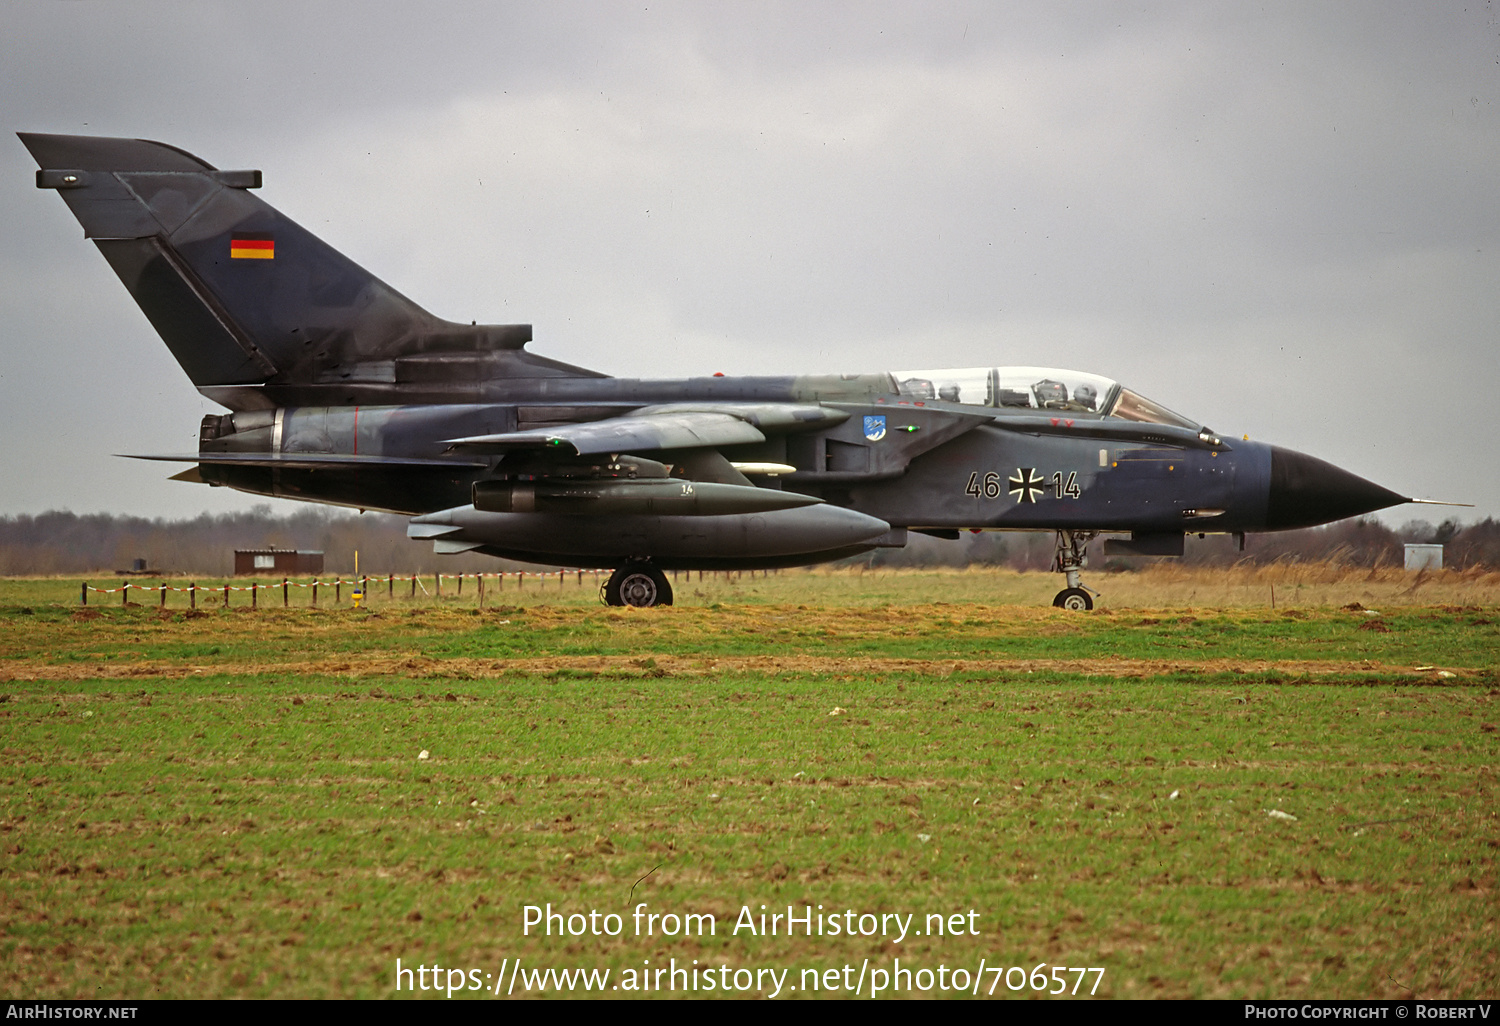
<point x="1306" y="491"/>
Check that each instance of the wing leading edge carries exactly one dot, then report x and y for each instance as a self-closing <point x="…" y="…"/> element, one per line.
<point x="660" y="427"/>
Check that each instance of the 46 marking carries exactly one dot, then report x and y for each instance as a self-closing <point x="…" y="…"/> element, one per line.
<point x="991" y="485"/>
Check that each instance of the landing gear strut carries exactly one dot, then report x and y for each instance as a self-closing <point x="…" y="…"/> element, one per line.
<point x="637" y="584"/>
<point x="1071" y="557"/>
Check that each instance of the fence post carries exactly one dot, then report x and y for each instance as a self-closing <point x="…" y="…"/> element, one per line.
<point x="338" y="588"/>
<point x="226" y="596"/>
<point x="83" y="594"/>
<point x="284" y="600"/>
<point x="560" y="579"/>
<point x="413" y="585"/>
<point x="437" y="583"/>
<point x="163" y="594"/>
<point x="390" y="586"/>
<point x="460" y="585"/>
<point x="124" y="593"/>
<point x="254" y="594"/>
<point x="193" y="595"/>
<point x="315" y="593"/>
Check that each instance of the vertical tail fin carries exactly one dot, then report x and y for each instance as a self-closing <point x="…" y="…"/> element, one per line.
<point x="241" y="294"/>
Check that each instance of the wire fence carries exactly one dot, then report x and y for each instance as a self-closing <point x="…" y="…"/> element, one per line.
<point x="364" y="589"/>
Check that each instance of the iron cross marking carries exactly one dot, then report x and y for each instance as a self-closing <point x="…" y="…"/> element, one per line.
<point x="1025" y="484"/>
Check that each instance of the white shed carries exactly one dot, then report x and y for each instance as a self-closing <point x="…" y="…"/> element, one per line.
<point x="1424" y="557"/>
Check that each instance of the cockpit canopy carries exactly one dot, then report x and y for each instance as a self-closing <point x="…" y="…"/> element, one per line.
<point x="1035" y="388"/>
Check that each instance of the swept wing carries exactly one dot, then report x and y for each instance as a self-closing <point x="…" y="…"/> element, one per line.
<point x="652" y="428"/>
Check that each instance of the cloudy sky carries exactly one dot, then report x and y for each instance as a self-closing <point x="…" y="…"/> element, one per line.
<point x="1280" y="219"/>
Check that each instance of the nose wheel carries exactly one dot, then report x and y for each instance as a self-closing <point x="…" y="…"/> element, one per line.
<point x="637" y="584"/>
<point x="1073" y="598"/>
<point x="1069" y="559"/>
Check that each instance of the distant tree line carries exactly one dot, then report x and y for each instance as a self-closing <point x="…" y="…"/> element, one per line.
<point x="1369" y="543"/>
<point x="1364" y="542"/>
<point x="72" y="543"/>
<point x="100" y="543"/>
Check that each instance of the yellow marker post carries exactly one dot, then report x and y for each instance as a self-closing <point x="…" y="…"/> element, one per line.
<point x="357" y="596"/>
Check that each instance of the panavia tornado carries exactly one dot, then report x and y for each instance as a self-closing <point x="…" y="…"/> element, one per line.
<point x="341" y="390"/>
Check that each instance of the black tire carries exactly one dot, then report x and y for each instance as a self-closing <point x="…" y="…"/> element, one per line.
<point x="637" y="584"/>
<point x="1075" y="599"/>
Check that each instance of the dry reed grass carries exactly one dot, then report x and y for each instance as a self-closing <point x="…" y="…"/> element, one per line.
<point x="1298" y="584"/>
<point x="1169" y="583"/>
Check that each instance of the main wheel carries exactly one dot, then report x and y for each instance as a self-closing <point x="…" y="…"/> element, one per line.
<point x="1073" y="598"/>
<point x="637" y="584"/>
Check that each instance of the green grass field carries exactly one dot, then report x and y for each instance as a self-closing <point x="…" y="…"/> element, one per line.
<point x="211" y="803"/>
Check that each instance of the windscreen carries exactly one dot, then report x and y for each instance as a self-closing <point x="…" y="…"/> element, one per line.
<point x="1131" y="406"/>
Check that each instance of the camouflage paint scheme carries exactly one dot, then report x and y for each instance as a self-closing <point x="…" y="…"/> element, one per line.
<point x="343" y="391"/>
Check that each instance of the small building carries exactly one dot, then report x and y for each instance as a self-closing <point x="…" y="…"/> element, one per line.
<point x="287" y="562"/>
<point x="138" y="568"/>
<point x="1424" y="557"/>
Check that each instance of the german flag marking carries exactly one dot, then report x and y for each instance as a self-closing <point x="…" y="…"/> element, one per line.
<point x="252" y="246"/>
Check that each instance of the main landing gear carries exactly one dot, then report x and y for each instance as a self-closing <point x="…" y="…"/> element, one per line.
<point x="637" y="584"/>
<point x="1071" y="557"/>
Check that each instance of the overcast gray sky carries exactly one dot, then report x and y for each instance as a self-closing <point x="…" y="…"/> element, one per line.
<point x="1280" y="219"/>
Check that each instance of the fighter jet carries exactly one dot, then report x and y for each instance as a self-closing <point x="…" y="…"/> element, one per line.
<point x="341" y="390"/>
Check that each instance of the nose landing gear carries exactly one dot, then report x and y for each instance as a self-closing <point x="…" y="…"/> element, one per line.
<point x="638" y="584"/>
<point x="1070" y="558"/>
